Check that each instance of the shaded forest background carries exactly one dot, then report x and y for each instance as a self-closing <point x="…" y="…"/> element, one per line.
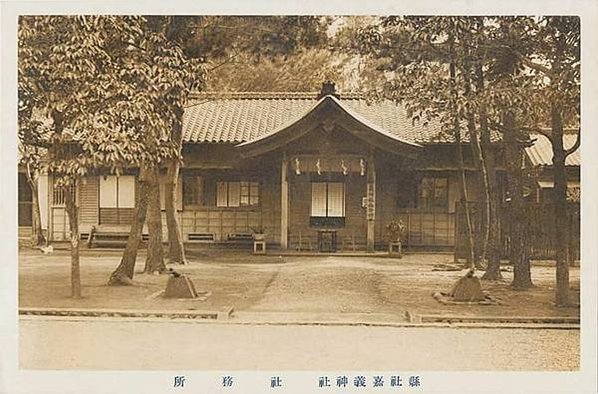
<point x="321" y="48"/>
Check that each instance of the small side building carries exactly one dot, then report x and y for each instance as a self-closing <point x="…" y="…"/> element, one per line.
<point x="539" y="162"/>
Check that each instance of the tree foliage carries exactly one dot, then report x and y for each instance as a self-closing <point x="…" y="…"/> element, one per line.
<point x="91" y="85"/>
<point x="299" y="72"/>
<point x="110" y="89"/>
<point x="512" y="74"/>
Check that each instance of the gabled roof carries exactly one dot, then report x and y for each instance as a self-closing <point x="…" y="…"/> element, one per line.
<point x="241" y="117"/>
<point x="540" y="153"/>
<point x="329" y="108"/>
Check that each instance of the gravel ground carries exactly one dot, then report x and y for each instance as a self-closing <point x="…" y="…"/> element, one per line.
<point x="111" y="344"/>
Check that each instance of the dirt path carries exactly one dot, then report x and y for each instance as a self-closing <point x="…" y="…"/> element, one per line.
<point x="324" y="285"/>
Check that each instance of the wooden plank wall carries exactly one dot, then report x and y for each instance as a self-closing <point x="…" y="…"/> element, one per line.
<point x="270" y="207"/>
<point x="540" y="229"/>
<point x="424" y="228"/>
<point x="115" y="216"/>
<point x="89" y="194"/>
<point x="219" y="222"/>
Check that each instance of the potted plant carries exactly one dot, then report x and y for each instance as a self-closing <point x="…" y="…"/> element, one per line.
<point x="395" y="230"/>
<point x="258" y="233"/>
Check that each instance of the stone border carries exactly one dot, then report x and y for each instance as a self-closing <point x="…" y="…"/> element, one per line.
<point x="226" y="317"/>
<point x="179" y="314"/>
<point x="496" y="319"/>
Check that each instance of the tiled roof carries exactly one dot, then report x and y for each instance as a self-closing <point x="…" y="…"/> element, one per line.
<point x="540" y="153"/>
<point x="242" y="117"/>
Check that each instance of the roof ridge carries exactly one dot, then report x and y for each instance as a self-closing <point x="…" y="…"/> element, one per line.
<point x="224" y="95"/>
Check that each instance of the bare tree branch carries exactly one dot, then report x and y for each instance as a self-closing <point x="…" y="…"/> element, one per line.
<point x="533" y="65"/>
<point x="575" y="145"/>
<point x="545" y="132"/>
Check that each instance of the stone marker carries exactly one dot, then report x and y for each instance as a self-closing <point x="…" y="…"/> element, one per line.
<point x="467" y="288"/>
<point x="180" y="287"/>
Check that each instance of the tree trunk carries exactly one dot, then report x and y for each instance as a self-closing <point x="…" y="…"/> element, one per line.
<point x="490" y="184"/>
<point x="155" y="251"/>
<point x="463" y="183"/>
<point x="573" y="223"/>
<point x="71" y="210"/>
<point x="466" y="209"/>
<point x="176" y="250"/>
<point x="123" y="274"/>
<point x="494" y="244"/>
<point x="516" y="207"/>
<point x="37" y="233"/>
<point x="481" y="237"/>
<point x="561" y="212"/>
<point x="57" y="152"/>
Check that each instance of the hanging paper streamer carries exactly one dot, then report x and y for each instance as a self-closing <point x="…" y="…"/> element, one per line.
<point x="318" y="167"/>
<point x="344" y="167"/>
<point x="297" y="166"/>
<point x="362" y="165"/>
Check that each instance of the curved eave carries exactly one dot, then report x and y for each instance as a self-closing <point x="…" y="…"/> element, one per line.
<point x="326" y="108"/>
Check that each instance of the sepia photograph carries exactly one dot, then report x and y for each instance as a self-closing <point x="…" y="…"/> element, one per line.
<point x="367" y="197"/>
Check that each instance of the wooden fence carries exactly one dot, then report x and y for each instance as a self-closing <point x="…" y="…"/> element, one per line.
<point x="540" y="230"/>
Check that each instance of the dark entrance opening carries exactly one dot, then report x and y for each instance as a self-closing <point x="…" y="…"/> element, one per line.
<point x="25" y="201"/>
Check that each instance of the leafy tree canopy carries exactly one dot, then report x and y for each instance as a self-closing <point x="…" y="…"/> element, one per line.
<point x="107" y="86"/>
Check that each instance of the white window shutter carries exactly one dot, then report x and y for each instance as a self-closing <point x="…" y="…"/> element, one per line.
<point x="336" y="199"/>
<point x="318" y="199"/>
<point x="221" y="194"/>
<point x="108" y="191"/>
<point x="254" y="194"/>
<point x="126" y="191"/>
<point x="234" y="194"/>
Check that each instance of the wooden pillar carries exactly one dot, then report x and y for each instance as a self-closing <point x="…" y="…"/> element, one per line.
<point x="284" y="203"/>
<point x="371" y="207"/>
<point x="50" y="235"/>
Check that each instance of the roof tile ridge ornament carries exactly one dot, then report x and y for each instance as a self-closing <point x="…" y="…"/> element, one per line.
<point x="228" y="95"/>
<point x="224" y="95"/>
<point x="328" y="89"/>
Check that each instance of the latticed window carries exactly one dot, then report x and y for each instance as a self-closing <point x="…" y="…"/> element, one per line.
<point x="433" y="193"/>
<point x="237" y="194"/>
<point x="407" y="187"/>
<point x="59" y="194"/>
<point x="192" y="190"/>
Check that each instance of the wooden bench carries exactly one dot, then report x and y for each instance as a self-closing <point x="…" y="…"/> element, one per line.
<point x="201" y="237"/>
<point x="107" y="239"/>
<point x="240" y="237"/>
<point x="109" y="236"/>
